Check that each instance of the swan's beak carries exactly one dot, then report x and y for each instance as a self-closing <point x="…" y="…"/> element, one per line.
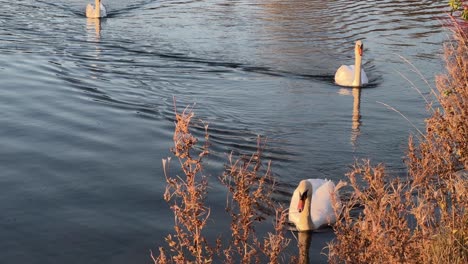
<point x="361" y="50"/>
<point x="300" y="206"/>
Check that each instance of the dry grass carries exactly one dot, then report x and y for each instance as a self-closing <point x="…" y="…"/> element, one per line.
<point x="250" y="190"/>
<point x="249" y="186"/>
<point x="443" y="151"/>
<point x="188" y="195"/>
<point x="380" y="233"/>
<point x="422" y="219"/>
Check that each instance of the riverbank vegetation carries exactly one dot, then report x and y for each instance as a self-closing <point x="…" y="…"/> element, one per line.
<point x="419" y="219"/>
<point x="459" y="8"/>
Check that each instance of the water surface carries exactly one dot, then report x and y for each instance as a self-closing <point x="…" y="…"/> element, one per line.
<point x="86" y="108"/>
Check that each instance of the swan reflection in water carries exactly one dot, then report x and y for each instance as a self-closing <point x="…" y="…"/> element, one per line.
<point x="93" y="27"/>
<point x="303" y="243"/>
<point x="356" y="119"/>
<point x="355" y="131"/>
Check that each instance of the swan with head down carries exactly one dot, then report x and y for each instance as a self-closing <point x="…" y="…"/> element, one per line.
<point x="353" y="75"/>
<point x="312" y="204"/>
<point x="96" y="11"/>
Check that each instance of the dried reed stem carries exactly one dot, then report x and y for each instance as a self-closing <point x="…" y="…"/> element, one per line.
<point x="250" y="189"/>
<point x="187" y="194"/>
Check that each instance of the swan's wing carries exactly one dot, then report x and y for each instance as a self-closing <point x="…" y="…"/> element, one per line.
<point x="345" y="75"/>
<point x="323" y="198"/>
<point x="293" y="214"/>
<point x="317" y="183"/>
<point x="89" y="10"/>
<point x="103" y="10"/>
<point x="364" y="79"/>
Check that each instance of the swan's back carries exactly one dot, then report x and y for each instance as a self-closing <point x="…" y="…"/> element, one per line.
<point x="91" y="11"/>
<point x="321" y="208"/>
<point x="344" y="76"/>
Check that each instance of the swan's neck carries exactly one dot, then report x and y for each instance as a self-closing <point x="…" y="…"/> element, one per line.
<point x="305" y="218"/>
<point x="357" y="71"/>
<point x="97" y="4"/>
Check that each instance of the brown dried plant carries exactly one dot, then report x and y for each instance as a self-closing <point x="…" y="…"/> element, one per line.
<point x="249" y="198"/>
<point x="188" y="194"/>
<point x="275" y="244"/>
<point x="380" y="232"/>
<point x="438" y="164"/>
<point x="445" y="145"/>
<point x="250" y="191"/>
<point x="422" y="219"/>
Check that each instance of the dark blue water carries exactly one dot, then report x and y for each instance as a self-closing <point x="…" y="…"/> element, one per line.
<point x="86" y="108"/>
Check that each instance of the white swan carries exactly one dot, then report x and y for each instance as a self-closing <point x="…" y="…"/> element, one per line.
<point x="96" y="11"/>
<point x="352" y="75"/>
<point x="312" y="204"/>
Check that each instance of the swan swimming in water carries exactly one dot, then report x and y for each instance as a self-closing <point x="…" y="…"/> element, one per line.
<point x="312" y="203"/>
<point x="352" y="75"/>
<point x="96" y="11"/>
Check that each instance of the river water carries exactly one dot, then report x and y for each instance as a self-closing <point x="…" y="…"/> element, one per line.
<point x="86" y="108"/>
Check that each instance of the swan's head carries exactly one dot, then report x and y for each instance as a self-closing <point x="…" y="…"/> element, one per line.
<point x="305" y="192"/>
<point x="359" y="48"/>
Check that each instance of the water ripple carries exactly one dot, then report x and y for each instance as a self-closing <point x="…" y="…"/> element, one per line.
<point x="87" y="105"/>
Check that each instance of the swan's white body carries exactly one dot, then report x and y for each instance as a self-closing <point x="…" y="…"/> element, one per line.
<point x="317" y="208"/>
<point x="96" y="11"/>
<point x="352" y="75"/>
